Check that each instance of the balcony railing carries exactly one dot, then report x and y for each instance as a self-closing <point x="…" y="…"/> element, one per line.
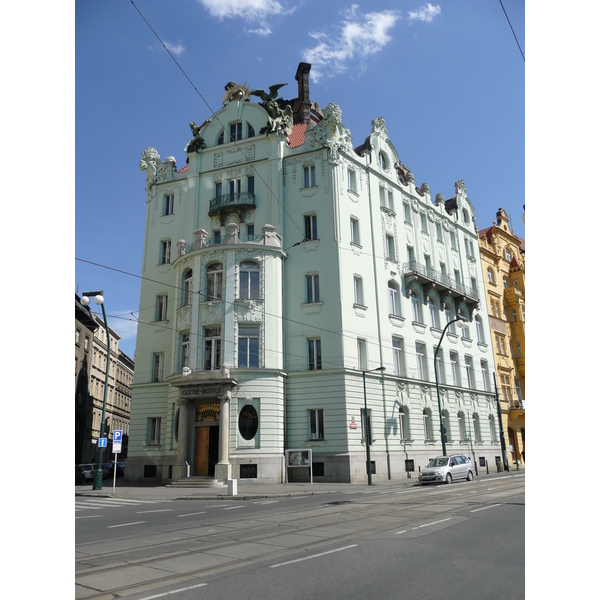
<point x="241" y="200"/>
<point x="432" y="276"/>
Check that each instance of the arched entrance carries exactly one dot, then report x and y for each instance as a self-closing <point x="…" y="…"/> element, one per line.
<point x="206" y="438"/>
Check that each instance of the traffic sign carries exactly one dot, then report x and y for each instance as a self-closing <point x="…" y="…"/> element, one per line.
<point x="116" y="447"/>
<point x="102" y="443"/>
<point x="118" y="435"/>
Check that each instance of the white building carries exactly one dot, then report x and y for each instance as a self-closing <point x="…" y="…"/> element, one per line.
<point x="280" y="264"/>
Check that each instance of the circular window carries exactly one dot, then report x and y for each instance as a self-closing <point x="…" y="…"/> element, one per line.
<point x="248" y="422"/>
<point x="382" y="161"/>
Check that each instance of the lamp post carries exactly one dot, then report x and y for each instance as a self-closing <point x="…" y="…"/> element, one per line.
<point x="99" y="299"/>
<point x="368" y="423"/>
<point x="462" y="324"/>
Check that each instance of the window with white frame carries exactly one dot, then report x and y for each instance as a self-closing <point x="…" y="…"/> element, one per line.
<point x="390" y="247"/>
<point x="248" y="346"/>
<point x="415" y="303"/>
<point x="154" y="431"/>
<point x="453" y="240"/>
<point x="158" y="364"/>
<point x="314" y="355"/>
<point x="185" y="350"/>
<point x="438" y="229"/>
<point x="479" y="330"/>
<point x="485" y="376"/>
<point x="439" y="364"/>
<point x="462" y="426"/>
<point x="358" y="291"/>
<point x="490" y="275"/>
<point x="399" y="362"/>
<point x="352" y="180"/>
<point x="390" y="200"/>
<point x="476" y="427"/>
<point x="382" y="196"/>
<point x="161" y="307"/>
<point x="421" y="360"/>
<point x="492" y="425"/>
<point x="427" y="424"/>
<point x="505" y="384"/>
<point x="393" y="298"/>
<point x="235" y="132"/>
<point x="424" y="226"/>
<point x="315" y="423"/>
<point x="354" y="231"/>
<point x="165" y="252"/>
<point x="250" y="131"/>
<point x="407" y="213"/>
<point x="518" y="390"/>
<point x="454" y="368"/>
<point x="361" y="351"/>
<point x="470" y="373"/>
<point x="312" y="288"/>
<point x="403" y="430"/>
<point x="214" y="277"/>
<point x="434" y="314"/>
<point x="235" y="187"/>
<point x="212" y="348"/>
<point x="309" y="176"/>
<point x="168" y="204"/>
<point x="310" y="227"/>
<point x="86" y="342"/>
<point x="382" y="161"/>
<point x="505" y="281"/>
<point x="448" y="314"/>
<point x="186" y="296"/>
<point x="249" y="280"/>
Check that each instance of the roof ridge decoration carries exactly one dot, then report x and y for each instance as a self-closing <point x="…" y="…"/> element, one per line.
<point x="331" y="133"/>
<point x="157" y="171"/>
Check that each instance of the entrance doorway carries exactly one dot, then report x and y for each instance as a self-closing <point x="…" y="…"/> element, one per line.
<point x="206" y="450"/>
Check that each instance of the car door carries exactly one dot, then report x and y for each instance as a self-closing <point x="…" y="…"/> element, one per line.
<point x="464" y="466"/>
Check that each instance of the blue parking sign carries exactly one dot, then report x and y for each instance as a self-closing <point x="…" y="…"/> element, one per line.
<point x="118" y="435"/>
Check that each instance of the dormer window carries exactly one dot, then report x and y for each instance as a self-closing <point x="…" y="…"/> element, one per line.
<point x="382" y="161"/>
<point x="235" y="132"/>
<point x="250" y="131"/>
<point x="220" y="139"/>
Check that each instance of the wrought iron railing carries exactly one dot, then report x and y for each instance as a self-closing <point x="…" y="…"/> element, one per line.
<point x="438" y="277"/>
<point x="225" y="200"/>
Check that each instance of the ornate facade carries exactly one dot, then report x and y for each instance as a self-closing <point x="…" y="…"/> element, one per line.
<point x="279" y="265"/>
<point x="503" y="264"/>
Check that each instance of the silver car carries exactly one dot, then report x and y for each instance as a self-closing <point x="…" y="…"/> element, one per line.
<point x="447" y="468"/>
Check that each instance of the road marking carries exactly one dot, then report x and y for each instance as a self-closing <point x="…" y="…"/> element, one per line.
<point x="141" y="512"/>
<point x="234" y="507"/>
<point x="485" y="507"/>
<point x="267" y="502"/>
<point x="126" y="524"/>
<point x="191" y="587"/>
<point x="193" y="514"/>
<point x="403" y="531"/>
<point x="88" y="517"/>
<point x="289" y="562"/>
<point x="434" y="523"/>
<point x="406" y="492"/>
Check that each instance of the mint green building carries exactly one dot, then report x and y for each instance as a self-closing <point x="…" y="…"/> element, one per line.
<point x="280" y="264"/>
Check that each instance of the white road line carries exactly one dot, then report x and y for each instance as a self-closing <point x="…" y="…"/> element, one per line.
<point x="126" y="524"/>
<point x="234" y="507"/>
<point x="193" y="514"/>
<point x="267" y="502"/>
<point x="485" y="507"/>
<point x="406" y="492"/>
<point x="403" y="531"/>
<point x="142" y="512"/>
<point x="191" y="587"/>
<point x="289" y="562"/>
<point x="88" y="517"/>
<point x="434" y="523"/>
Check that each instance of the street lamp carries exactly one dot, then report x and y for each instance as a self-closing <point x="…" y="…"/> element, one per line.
<point x="368" y="423"/>
<point x="99" y="299"/>
<point x="462" y="324"/>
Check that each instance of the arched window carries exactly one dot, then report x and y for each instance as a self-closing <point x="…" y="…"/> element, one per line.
<point x="404" y="430"/>
<point x="221" y="138"/>
<point x="249" y="280"/>
<point x="427" y="424"/>
<point x="186" y="297"/>
<point x="393" y="298"/>
<point x="490" y="275"/>
<point x="214" y="276"/>
<point x="250" y="131"/>
<point x="462" y="426"/>
<point x="492" y="423"/>
<point x="476" y="427"/>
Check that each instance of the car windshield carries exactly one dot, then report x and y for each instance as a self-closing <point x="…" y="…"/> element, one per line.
<point x="438" y="462"/>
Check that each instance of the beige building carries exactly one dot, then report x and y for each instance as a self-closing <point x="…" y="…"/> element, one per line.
<point x="503" y="263"/>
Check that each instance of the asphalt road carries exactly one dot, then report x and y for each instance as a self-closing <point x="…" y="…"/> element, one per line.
<point x="466" y="540"/>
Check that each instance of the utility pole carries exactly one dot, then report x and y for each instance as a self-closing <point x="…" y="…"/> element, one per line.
<point x="502" y="440"/>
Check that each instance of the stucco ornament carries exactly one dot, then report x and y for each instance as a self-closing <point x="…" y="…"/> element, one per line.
<point x="331" y="133"/>
<point x="378" y="126"/>
<point x="157" y="171"/>
<point x="234" y="92"/>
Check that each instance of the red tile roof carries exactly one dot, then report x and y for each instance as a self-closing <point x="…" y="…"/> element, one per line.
<point x="298" y="135"/>
<point x="184" y="169"/>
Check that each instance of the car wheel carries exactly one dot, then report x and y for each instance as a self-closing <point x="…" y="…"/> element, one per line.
<point x="470" y="476"/>
<point x="448" y="479"/>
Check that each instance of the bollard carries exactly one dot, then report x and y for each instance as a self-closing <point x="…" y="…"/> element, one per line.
<point x="487" y="467"/>
<point x="232" y="487"/>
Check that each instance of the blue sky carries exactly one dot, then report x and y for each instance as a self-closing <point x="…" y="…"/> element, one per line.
<point x="448" y="78"/>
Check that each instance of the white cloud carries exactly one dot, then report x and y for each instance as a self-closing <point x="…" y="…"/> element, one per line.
<point x="177" y="50"/>
<point x="359" y="36"/>
<point x="248" y="9"/>
<point x="424" y="13"/>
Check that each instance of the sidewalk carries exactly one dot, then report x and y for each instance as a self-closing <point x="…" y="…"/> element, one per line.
<point x="249" y="491"/>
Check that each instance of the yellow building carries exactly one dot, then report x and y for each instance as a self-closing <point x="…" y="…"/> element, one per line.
<point x="503" y="264"/>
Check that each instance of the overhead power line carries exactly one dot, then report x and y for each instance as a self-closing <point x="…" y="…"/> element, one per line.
<point x="513" y="31"/>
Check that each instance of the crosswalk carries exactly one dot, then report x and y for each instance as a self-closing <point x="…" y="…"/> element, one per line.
<point x="102" y="503"/>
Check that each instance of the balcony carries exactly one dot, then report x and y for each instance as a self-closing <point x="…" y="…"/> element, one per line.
<point x="231" y="203"/>
<point x="431" y="278"/>
<point x="513" y="296"/>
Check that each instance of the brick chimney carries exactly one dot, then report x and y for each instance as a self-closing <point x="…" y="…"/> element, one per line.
<point x="303" y="93"/>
